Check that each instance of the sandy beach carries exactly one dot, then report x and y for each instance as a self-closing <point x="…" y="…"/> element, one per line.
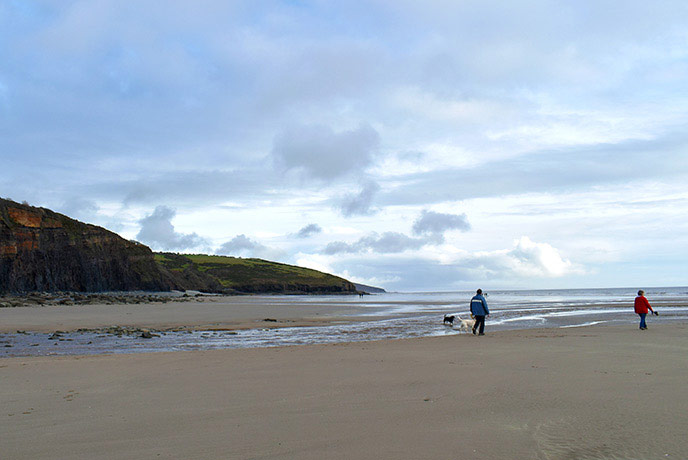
<point x="212" y="313"/>
<point x="599" y="392"/>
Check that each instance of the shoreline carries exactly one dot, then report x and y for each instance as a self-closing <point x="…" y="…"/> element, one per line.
<point x="221" y="313"/>
<point x="536" y="393"/>
<point x="267" y="321"/>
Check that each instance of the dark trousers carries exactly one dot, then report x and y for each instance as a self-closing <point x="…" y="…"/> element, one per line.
<point x="643" y="325"/>
<point x="479" y="321"/>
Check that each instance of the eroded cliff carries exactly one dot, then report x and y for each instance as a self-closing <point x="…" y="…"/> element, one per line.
<point x="41" y="250"/>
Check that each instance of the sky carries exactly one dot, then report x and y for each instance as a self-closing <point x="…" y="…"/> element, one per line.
<point x="415" y="146"/>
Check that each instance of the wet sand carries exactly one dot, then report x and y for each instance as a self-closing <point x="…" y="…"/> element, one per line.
<point x="216" y="313"/>
<point x="598" y="392"/>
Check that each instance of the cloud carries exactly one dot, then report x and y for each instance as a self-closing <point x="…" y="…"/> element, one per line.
<point x="525" y="263"/>
<point x="547" y="171"/>
<point x="359" y="204"/>
<point x="79" y="208"/>
<point x="526" y="259"/>
<point x="323" y="153"/>
<point x="243" y="246"/>
<point x="388" y="242"/>
<point x="239" y="244"/>
<point x="158" y="232"/>
<point x="430" y="228"/>
<point x="431" y="222"/>
<point x="190" y="186"/>
<point x="309" y="230"/>
<point x="539" y="107"/>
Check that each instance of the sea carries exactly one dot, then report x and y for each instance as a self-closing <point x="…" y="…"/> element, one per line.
<point x="386" y="316"/>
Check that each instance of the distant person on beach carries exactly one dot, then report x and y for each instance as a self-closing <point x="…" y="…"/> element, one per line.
<point x="642" y="306"/>
<point x="480" y="311"/>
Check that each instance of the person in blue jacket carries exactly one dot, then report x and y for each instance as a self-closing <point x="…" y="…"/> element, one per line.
<point x="480" y="311"/>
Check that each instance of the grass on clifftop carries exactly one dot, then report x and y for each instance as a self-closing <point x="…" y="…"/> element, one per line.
<point x="253" y="275"/>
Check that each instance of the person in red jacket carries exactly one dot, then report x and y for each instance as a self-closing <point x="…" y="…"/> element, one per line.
<point x="642" y="306"/>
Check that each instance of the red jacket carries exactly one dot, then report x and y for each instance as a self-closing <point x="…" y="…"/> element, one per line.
<point x="642" y="305"/>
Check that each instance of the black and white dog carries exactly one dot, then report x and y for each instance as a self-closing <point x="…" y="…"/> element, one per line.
<point x="466" y="324"/>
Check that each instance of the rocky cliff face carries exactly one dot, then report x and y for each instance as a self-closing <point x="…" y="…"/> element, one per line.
<point x="41" y="250"/>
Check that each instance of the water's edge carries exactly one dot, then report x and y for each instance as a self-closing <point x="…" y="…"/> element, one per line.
<point x="388" y="316"/>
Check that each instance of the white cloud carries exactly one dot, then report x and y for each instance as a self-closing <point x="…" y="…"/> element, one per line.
<point x="526" y="259"/>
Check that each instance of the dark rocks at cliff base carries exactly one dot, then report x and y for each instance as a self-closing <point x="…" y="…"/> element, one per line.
<point x="47" y="299"/>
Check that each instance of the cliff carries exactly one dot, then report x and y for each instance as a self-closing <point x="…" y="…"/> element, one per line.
<point x="41" y="250"/>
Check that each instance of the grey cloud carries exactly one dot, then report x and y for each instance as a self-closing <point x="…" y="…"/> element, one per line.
<point x="309" y="230"/>
<point x="188" y="188"/>
<point x="390" y="242"/>
<point x="322" y="153"/>
<point x="192" y="185"/>
<point x="144" y="188"/>
<point x="387" y="243"/>
<point x="338" y="247"/>
<point x="547" y="171"/>
<point x="431" y="222"/>
<point x="157" y="231"/>
<point x="239" y="244"/>
<point x="152" y="96"/>
<point x="359" y="204"/>
<point x="430" y="228"/>
<point x="79" y="208"/>
<point x="243" y="246"/>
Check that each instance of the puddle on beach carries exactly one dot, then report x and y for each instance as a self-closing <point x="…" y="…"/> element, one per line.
<point x="406" y="323"/>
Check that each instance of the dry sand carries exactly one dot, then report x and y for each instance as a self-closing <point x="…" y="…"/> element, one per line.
<point x="213" y="313"/>
<point x="583" y="393"/>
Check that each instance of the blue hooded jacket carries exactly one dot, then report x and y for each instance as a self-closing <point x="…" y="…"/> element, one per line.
<point x="479" y="306"/>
